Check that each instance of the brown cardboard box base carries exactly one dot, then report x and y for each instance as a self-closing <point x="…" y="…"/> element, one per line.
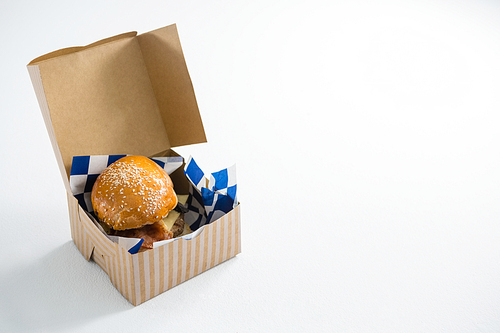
<point x="129" y="94"/>
<point x="144" y="275"/>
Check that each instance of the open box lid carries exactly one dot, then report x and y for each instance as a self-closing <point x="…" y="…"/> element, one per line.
<point x="128" y="94"/>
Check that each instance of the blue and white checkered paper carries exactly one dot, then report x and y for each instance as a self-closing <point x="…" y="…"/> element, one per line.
<point x="84" y="172"/>
<point x="211" y="197"/>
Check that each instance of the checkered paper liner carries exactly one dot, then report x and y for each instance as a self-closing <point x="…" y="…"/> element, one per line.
<point x="211" y="197"/>
<point x="83" y="174"/>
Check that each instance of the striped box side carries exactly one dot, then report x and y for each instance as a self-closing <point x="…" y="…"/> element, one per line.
<point x="157" y="270"/>
<point x="80" y="237"/>
<point x="144" y="275"/>
<point x="100" y="241"/>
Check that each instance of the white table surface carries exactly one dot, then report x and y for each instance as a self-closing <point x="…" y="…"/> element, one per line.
<point x="366" y="139"/>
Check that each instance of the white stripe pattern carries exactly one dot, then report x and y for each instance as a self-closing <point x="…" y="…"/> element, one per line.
<point x="144" y="275"/>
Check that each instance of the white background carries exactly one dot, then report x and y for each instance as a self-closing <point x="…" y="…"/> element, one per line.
<point x="365" y="135"/>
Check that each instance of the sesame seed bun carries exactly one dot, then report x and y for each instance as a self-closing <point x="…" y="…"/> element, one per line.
<point x="133" y="192"/>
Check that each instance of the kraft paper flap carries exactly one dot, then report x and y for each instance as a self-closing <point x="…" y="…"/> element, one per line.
<point x="69" y="50"/>
<point x="172" y="85"/>
<point x="102" y="100"/>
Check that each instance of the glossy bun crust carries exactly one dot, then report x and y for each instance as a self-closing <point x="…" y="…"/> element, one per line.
<point x="132" y="192"/>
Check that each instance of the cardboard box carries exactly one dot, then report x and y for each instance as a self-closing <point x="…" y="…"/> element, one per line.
<point x="129" y="94"/>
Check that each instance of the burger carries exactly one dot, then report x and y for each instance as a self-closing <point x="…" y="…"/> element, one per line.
<point x="135" y="197"/>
